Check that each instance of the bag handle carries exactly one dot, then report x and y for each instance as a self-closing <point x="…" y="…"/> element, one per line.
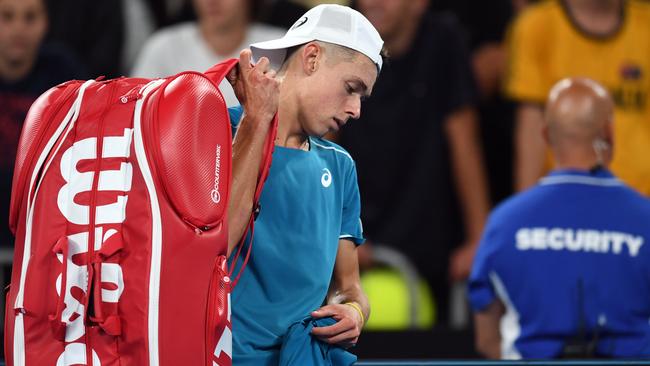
<point x="265" y="167"/>
<point x="217" y="73"/>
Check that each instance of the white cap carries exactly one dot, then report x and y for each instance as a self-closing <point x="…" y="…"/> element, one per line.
<point x="330" y="23"/>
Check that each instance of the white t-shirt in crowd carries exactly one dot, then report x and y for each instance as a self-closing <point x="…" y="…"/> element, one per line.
<point x="182" y="47"/>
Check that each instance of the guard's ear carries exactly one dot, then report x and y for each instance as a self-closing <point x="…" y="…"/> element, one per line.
<point x="608" y="133"/>
<point x="608" y="141"/>
<point x="546" y="134"/>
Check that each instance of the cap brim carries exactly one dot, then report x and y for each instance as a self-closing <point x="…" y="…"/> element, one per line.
<point x="276" y="50"/>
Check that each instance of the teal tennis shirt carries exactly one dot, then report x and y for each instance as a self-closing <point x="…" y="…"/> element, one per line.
<point x="309" y="202"/>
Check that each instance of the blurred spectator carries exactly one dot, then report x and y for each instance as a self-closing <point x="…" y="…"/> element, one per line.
<point x="223" y="29"/>
<point x="486" y="37"/>
<point x="143" y="17"/>
<point x="562" y="269"/>
<point x="26" y="71"/>
<point x="606" y="40"/>
<point x="416" y="145"/>
<point x="92" y="29"/>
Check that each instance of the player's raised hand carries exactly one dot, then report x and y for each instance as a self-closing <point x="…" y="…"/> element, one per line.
<point x="256" y="87"/>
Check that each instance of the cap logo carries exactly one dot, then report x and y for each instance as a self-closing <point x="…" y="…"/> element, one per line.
<point x="299" y="22"/>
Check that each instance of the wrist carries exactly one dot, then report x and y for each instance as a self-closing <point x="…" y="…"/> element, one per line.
<point x="355" y="305"/>
<point x="257" y="123"/>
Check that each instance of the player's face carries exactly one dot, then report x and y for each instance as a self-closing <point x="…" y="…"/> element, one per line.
<point x="22" y="27"/>
<point x="335" y="94"/>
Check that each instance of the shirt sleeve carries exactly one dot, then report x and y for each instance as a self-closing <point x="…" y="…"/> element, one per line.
<point x="235" y="113"/>
<point x="481" y="292"/>
<point x="527" y="76"/>
<point x="351" y="227"/>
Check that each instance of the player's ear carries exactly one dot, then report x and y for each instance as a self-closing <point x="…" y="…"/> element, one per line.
<point x="311" y="54"/>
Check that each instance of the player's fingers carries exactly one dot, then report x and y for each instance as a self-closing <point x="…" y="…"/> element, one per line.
<point x="263" y="65"/>
<point x="233" y="75"/>
<point x="245" y="60"/>
<point x="331" y="330"/>
<point x="350" y="337"/>
<point x="327" y="310"/>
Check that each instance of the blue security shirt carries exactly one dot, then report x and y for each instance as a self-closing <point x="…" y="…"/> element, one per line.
<point x="310" y="200"/>
<point x="573" y="250"/>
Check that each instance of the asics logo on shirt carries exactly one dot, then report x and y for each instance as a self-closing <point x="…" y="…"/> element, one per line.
<point x="326" y="179"/>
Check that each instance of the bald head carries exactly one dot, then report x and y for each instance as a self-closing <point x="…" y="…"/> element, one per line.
<point x="578" y="118"/>
<point x="578" y="110"/>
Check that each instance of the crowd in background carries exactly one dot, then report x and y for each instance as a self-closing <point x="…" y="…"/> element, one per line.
<point x="452" y="128"/>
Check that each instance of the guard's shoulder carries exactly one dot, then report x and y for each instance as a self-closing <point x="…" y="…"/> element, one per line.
<point x="517" y="204"/>
<point x="634" y="200"/>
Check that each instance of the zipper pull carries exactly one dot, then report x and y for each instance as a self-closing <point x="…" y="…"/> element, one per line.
<point x="128" y="97"/>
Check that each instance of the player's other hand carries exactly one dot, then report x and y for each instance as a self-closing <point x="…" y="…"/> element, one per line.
<point x="256" y="87"/>
<point x="345" y="332"/>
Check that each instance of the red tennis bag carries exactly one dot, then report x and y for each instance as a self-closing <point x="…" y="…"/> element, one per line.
<point x="120" y="194"/>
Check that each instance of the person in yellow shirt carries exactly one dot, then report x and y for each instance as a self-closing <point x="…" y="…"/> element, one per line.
<point x="606" y="40"/>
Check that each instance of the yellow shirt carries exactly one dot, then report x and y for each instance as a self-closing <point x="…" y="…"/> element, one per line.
<point x="545" y="46"/>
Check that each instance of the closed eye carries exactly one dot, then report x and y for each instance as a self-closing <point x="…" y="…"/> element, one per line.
<point x="358" y="88"/>
<point x="349" y="88"/>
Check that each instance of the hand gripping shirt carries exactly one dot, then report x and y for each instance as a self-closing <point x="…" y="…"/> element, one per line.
<point x="309" y="202"/>
<point x="570" y="255"/>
